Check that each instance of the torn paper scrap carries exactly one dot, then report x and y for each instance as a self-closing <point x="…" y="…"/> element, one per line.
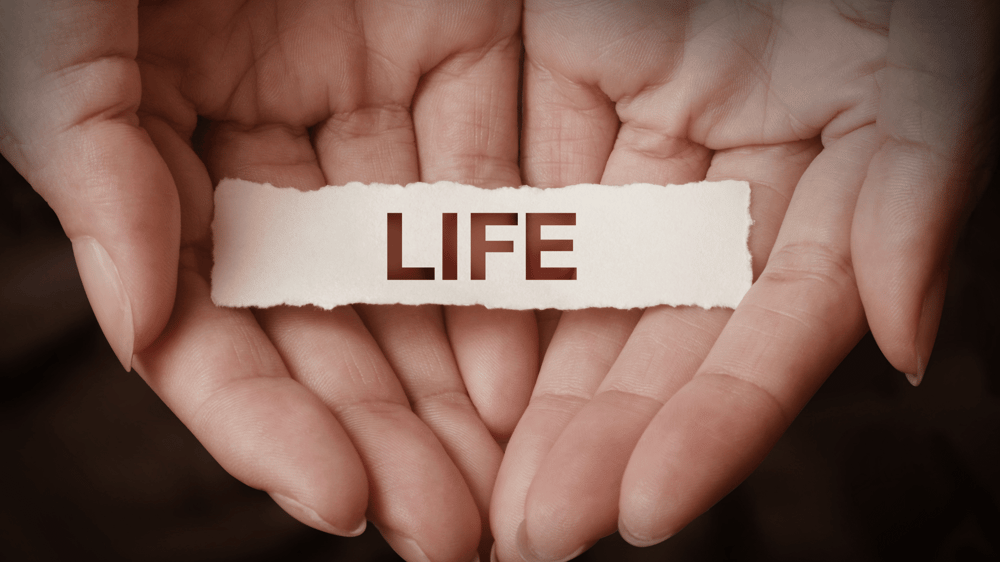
<point x="445" y="243"/>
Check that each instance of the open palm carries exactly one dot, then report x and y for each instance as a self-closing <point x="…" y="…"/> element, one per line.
<point x="839" y="119"/>
<point x="393" y="411"/>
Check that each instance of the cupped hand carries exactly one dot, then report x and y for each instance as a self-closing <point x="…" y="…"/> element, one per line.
<point x="854" y="123"/>
<point x="385" y="413"/>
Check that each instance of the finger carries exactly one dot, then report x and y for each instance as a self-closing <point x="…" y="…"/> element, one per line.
<point x="422" y="359"/>
<point x="584" y="68"/>
<point x="497" y="355"/>
<point x="568" y="129"/>
<point x="332" y="354"/>
<point x="921" y="183"/>
<point x="281" y="155"/>
<point x="68" y="124"/>
<point x="418" y="499"/>
<point x="579" y="357"/>
<point x="773" y="172"/>
<point x="573" y="500"/>
<point x="547" y="320"/>
<point x="643" y="154"/>
<point x="554" y="526"/>
<point x="216" y="369"/>
<point x="797" y="321"/>
<point x="568" y="132"/>
<point x="378" y="144"/>
<point x="220" y="375"/>
<point x="465" y="117"/>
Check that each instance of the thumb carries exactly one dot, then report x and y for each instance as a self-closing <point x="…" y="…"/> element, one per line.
<point x="116" y="201"/>
<point x="69" y="89"/>
<point x="922" y="183"/>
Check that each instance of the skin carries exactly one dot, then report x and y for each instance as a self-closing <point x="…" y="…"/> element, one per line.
<point x="853" y="122"/>
<point x="388" y="414"/>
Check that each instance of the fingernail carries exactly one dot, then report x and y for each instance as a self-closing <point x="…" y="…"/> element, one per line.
<point x="405" y="547"/>
<point x="309" y="516"/>
<point x="927" y="326"/>
<point x="107" y="296"/>
<point x="493" y="553"/>
<point x="359" y="530"/>
<point x="528" y="554"/>
<point x="636" y="540"/>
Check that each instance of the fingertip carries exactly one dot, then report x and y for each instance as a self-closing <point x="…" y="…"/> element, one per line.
<point x="309" y="516"/>
<point x="360" y="529"/>
<point x="907" y="218"/>
<point x="119" y="206"/>
<point x="642" y="511"/>
<point x="273" y="434"/>
<point x="932" y="306"/>
<point x="411" y="550"/>
<point x="930" y="319"/>
<point x="634" y="538"/>
<point x="706" y="440"/>
<point x="904" y="316"/>
<point x="497" y="355"/>
<point x="108" y="297"/>
<point x="524" y="549"/>
<point x="527" y="551"/>
<point x="407" y="548"/>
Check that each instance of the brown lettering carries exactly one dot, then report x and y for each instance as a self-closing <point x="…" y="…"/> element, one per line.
<point x="394" y="258"/>
<point x="479" y="243"/>
<point x="534" y="246"/>
<point x="449" y="246"/>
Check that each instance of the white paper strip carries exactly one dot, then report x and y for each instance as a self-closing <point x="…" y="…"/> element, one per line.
<point x="632" y="246"/>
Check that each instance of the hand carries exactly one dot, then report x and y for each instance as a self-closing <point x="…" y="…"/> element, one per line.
<point x="390" y="410"/>
<point x="855" y="128"/>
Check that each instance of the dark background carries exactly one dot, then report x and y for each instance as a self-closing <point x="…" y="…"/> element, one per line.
<point x="93" y="465"/>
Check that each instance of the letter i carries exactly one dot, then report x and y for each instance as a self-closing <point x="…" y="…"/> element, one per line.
<point x="449" y="246"/>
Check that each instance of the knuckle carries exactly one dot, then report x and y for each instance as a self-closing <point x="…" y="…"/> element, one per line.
<point x="808" y="265"/>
